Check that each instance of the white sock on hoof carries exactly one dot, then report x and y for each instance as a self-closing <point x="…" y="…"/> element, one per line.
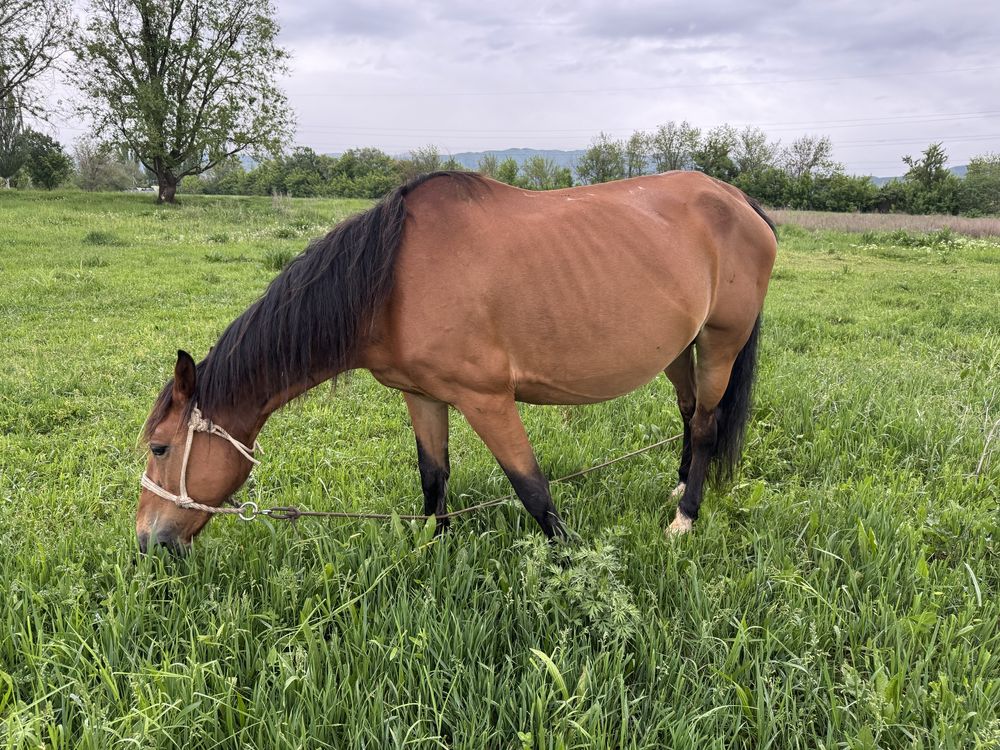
<point x="681" y="525"/>
<point x="679" y="490"/>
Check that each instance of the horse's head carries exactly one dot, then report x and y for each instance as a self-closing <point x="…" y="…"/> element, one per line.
<point x="190" y="459"/>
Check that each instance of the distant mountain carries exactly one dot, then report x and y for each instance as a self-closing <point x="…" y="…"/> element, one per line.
<point x="957" y="171"/>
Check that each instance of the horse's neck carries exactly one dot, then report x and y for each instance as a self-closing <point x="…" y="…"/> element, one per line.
<point x="275" y="401"/>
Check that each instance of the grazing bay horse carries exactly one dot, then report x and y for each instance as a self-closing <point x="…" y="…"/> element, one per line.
<point x="458" y="290"/>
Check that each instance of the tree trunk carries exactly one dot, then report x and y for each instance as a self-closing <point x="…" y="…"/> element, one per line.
<point x="168" y="187"/>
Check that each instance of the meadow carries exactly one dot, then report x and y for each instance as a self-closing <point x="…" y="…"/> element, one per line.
<point x="842" y="593"/>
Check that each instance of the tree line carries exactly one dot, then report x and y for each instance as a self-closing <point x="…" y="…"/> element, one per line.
<point x="801" y="175"/>
<point x="181" y="92"/>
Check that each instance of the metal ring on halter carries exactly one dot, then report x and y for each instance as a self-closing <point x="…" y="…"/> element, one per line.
<point x="248" y="511"/>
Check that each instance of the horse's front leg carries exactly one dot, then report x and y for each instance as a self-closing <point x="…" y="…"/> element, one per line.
<point x="430" y="426"/>
<point x="496" y="421"/>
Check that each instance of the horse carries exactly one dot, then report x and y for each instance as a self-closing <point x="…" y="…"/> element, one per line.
<point x="459" y="290"/>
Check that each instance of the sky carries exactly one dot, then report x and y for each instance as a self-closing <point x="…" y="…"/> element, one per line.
<point x="882" y="79"/>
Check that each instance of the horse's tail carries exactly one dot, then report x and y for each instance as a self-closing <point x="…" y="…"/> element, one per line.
<point x="760" y="212"/>
<point x="733" y="412"/>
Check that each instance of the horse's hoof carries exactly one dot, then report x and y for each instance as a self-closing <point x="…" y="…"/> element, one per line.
<point x="681" y="525"/>
<point x="679" y="490"/>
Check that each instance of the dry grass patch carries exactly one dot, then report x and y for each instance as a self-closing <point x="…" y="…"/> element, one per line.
<point x="855" y="222"/>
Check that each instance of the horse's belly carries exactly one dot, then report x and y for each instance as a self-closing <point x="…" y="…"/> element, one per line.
<point x="588" y="392"/>
<point x="597" y="378"/>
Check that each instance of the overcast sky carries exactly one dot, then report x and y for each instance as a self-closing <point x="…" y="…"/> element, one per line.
<point x="882" y="79"/>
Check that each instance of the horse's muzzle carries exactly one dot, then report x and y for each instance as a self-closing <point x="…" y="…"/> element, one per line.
<point x="164" y="539"/>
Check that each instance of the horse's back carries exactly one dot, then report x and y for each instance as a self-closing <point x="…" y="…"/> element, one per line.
<point x="566" y="296"/>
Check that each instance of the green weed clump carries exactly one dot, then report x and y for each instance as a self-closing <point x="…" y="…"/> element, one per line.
<point x="843" y="593"/>
<point x="99" y="237"/>
<point x="276" y="260"/>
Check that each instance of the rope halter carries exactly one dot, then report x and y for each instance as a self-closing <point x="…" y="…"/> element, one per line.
<point x="200" y="423"/>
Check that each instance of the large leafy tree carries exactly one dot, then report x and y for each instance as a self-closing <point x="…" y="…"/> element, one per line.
<point x="183" y="84"/>
<point x="33" y="34"/>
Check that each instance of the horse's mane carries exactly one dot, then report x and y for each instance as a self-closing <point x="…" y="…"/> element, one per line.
<point x="311" y="316"/>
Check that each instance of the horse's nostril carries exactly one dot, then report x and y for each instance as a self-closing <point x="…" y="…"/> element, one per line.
<point x="160" y="538"/>
<point x="169" y="541"/>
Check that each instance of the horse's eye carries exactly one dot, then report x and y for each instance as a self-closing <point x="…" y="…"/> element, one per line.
<point x="158" y="450"/>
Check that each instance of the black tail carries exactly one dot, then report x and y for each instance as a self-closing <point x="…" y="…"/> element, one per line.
<point x="760" y="212"/>
<point x="734" y="409"/>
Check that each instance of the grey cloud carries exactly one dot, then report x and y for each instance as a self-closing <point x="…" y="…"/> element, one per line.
<point x="375" y="19"/>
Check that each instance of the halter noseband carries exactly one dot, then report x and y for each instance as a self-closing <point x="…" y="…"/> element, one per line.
<point x="198" y="423"/>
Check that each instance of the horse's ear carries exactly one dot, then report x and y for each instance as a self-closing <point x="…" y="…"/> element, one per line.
<point x="183" y="377"/>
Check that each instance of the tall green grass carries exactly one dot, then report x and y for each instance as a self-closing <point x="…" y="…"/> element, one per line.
<point x="842" y="594"/>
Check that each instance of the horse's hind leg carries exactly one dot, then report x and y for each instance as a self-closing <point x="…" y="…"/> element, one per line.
<point x="496" y="421"/>
<point x="430" y="426"/>
<point x="681" y="374"/>
<point x="718" y="350"/>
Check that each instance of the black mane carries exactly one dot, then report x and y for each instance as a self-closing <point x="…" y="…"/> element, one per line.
<point x="310" y="317"/>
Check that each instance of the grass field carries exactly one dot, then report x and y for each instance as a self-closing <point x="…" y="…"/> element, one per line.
<point x="843" y="594"/>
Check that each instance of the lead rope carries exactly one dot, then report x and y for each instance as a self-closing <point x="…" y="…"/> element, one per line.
<point x="249" y="510"/>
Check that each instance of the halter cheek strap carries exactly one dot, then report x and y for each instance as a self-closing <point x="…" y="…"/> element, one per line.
<point x="198" y="423"/>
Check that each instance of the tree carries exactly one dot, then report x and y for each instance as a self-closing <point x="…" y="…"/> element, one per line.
<point x="810" y="155"/>
<point x="226" y="178"/>
<point x="538" y="173"/>
<point x="488" y="165"/>
<point x="603" y="161"/>
<point x="365" y="173"/>
<point x="453" y="165"/>
<point x="33" y="34"/>
<point x="507" y="171"/>
<point x="769" y="185"/>
<point x="929" y="170"/>
<point x="13" y="151"/>
<point x="637" y="154"/>
<point x="183" y="84"/>
<point x="936" y="189"/>
<point x="980" y="192"/>
<point x="563" y="178"/>
<point x="714" y="156"/>
<point x="672" y="146"/>
<point x="841" y="192"/>
<point x="100" y="167"/>
<point x="47" y="163"/>
<point x="753" y="152"/>
<point x="423" y="160"/>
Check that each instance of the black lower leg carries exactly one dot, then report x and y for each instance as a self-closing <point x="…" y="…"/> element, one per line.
<point x="685" y="468"/>
<point x="434" y="482"/>
<point x="533" y="491"/>
<point x="703" y="437"/>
